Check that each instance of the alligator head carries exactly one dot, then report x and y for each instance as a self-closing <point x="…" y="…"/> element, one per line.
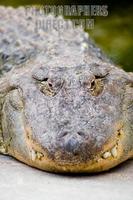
<point x="67" y="119"/>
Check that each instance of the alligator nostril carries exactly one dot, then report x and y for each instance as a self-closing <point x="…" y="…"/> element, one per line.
<point x="63" y="134"/>
<point x="72" y="145"/>
<point x="81" y="133"/>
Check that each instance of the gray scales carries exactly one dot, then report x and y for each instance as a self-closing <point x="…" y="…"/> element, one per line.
<point x="64" y="106"/>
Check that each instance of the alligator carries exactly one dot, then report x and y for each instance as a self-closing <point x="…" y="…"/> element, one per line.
<point x="64" y="106"/>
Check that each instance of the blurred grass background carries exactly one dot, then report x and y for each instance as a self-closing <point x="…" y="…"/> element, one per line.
<point x="114" y="33"/>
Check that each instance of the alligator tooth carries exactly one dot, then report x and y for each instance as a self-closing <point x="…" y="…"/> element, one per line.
<point x="39" y="155"/>
<point x="99" y="160"/>
<point x="33" y="155"/>
<point x="121" y="132"/>
<point x="114" y="151"/>
<point x="107" y="154"/>
<point x="2" y="150"/>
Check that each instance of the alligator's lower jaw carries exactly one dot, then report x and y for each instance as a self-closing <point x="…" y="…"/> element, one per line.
<point x="88" y="167"/>
<point x="102" y="162"/>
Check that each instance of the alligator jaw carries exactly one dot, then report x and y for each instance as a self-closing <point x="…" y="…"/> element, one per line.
<point x="110" y="156"/>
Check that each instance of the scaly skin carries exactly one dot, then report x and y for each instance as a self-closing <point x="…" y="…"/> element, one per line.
<point x="64" y="107"/>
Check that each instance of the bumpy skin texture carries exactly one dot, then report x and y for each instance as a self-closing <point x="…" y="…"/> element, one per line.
<point x="64" y="107"/>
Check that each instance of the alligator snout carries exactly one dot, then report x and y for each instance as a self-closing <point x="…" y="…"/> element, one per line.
<point x="72" y="142"/>
<point x="72" y="145"/>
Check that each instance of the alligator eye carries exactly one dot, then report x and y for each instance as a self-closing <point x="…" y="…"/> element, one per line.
<point x="46" y="87"/>
<point x="49" y="87"/>
<point x="96" y="86"/>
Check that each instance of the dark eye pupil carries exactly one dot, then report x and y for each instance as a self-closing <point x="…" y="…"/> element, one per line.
<point x="93" y="83"/>
<point x="45" y="79"/>
<point x="96" y="86"/>
<point x="50" y="84"/>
